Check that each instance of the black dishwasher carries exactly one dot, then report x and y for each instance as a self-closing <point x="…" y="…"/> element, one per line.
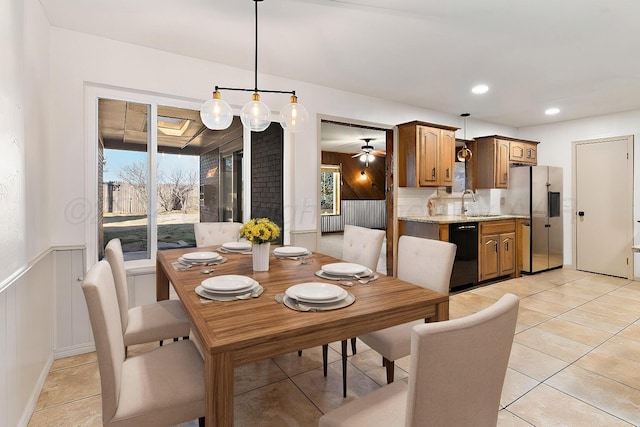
<point x="465" y="266"/>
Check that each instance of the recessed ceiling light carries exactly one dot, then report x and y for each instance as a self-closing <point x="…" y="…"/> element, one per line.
<point x="480" y="89"/>
<point x="551" y="111"/>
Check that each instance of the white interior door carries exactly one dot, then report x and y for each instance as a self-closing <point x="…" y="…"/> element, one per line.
<point x="603" y="177"/>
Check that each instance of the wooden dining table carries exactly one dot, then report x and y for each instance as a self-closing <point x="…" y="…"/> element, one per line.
<point x="234" y="333"/>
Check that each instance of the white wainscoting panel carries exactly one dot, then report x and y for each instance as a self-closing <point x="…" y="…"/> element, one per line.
<point x="26" y="339"/>
<point x="73" y="328"/>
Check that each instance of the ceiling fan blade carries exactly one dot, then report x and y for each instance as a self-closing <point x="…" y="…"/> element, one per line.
<point x="356" y="155"/>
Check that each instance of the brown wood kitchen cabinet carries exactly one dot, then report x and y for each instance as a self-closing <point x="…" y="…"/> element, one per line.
<point x="497" y="249"/>
<point x="492" y="156"/>
<point x="426" y="154"/>
<point x="523" y="152"/>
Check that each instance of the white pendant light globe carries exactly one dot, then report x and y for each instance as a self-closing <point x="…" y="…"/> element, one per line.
<point x="255" y="115"/>
<point x="293" y="116"/>
<point x="216" y="114"/>
<point x="363" y="157"/>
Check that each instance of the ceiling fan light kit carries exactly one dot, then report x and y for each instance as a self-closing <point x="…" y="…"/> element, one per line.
<point x="366" y="156"/>
<point x="216" y="114"/>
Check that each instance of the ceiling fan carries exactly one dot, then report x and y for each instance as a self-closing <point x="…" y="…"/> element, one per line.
<point x="366" y="153"/>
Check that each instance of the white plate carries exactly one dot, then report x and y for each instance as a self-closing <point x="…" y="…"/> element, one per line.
<point x="290" y="251"/>
<point x="327" y="276"/>
<point x="201" y="256"/>
<point x="228" y="282"/>
<point x="237" y="246"/>
<point x="316" y="292"/>
<point x="210" y="262"/>
<point x="217" y="297"/>
<point x="345" y="302"/>
<point x="233" y="292"/>
<point x="343" y="269"/>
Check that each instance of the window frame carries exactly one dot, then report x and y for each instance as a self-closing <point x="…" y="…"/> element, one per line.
<point x="93" y="93"/>
<point x="336" y="170"/>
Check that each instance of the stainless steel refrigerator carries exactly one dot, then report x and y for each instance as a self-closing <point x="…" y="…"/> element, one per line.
<point x="535" y="191"/>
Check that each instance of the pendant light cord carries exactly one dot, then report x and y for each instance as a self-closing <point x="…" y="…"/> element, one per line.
<point x="255" y="73"/>
<point x="255" y="68"/>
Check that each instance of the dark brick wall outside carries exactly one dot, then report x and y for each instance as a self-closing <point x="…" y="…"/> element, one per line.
<point x="210" y="186"/>
<point x="267" y="153"/>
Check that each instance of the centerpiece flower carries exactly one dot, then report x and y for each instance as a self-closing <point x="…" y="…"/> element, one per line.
<point x="260" y="232"/>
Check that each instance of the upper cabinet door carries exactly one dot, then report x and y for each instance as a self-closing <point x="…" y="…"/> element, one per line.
<point x="427" y="155"/>
<point x="517" y="152"/>
<point x="502" y="164"/>
<point x="446" y="157"/>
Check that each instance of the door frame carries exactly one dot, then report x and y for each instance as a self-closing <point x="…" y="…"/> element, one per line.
<point x="390" y="194"/>
<point x="628" y="196"/>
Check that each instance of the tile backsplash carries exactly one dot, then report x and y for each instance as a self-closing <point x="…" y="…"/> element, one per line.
<point x="413" y="201"/>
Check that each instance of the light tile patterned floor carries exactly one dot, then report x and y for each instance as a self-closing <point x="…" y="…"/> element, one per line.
<point x="575" y="362"/>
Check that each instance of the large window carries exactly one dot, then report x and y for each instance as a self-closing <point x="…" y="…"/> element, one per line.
<point x="330" y="189"/>
<point x="155" y="163"/>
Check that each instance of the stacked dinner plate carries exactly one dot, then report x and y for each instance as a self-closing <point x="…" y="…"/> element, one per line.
<point x="343" y="270"/>
<point x="290" y="252"/>
<point x="199" y="258"/>
<point x="226" y="287"/>
<point x="317" y="296"/>
<point x="236" y="247"/>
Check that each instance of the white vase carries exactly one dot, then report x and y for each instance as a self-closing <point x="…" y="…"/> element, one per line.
<point x="261" y="256"/>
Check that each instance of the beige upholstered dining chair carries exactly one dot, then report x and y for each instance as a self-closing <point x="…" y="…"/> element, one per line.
<point x="216" y="233"/>
<point x="456" y="375"/>
<point x="361" y="246"/>
<point x="145" y="323"/>
<point x="424" y="262"/>
<point x="161" y="387"/>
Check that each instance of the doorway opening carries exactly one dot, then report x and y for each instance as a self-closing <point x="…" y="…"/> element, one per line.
<point x="355" y="183"/>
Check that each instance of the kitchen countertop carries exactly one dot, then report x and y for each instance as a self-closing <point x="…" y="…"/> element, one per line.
<point x="452" y="219"/>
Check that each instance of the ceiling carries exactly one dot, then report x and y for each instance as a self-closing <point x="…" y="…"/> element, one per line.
<point x="580" y="56"/>
<point x="123" y="126"/>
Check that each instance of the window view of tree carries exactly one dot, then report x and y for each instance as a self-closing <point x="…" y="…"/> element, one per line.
<point x="177" y="190"/>
<point x="330" y="190"/>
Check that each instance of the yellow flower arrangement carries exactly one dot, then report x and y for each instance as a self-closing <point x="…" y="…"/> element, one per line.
<point x="260" y="230"/>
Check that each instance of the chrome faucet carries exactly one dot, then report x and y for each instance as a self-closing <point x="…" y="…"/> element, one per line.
<point x="463" y="211"/>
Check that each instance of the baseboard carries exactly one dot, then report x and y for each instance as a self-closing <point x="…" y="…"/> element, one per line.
<point x="74" y="350"/>
<point x="35" y="394"/>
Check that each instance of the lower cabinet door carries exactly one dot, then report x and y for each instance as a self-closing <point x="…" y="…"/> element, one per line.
<point x="489" y="259"/>
<point x="507" y="253"/>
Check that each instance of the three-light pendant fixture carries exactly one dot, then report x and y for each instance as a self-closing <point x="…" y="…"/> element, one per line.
<point x="216" y="114"/>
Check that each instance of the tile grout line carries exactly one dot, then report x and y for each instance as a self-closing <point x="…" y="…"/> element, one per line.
<point x="582" y="356"/>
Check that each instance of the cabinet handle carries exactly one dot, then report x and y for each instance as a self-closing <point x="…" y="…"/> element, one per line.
<point x="447" y="173"/>
<point x="505" y="176"/>
<point x="495" y="247"/>
<point x="506" y="245"/>
<point x="433" y="173"/>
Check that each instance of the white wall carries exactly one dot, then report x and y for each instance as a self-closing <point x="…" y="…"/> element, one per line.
<point x="555" y="150"/>
<point x="27" y="301"/>
<point x="12" y="143"/>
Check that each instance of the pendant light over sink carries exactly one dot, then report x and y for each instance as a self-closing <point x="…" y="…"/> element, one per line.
<point x="464" y="153"/>
<point x="216" y="114"/>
